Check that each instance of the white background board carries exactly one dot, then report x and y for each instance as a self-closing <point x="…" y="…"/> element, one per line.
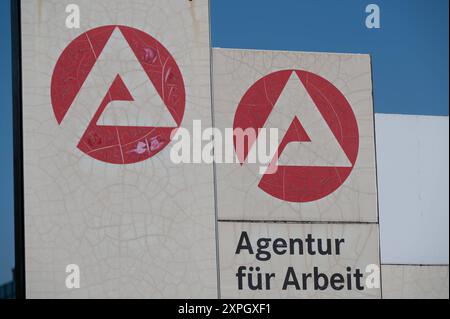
<point x="413" y="186"/>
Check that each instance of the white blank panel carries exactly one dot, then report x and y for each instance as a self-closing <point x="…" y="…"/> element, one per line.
<point x="413" y="186"/>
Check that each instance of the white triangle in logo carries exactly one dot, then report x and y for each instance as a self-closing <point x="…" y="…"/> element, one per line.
<point x="323" y="149"/>
<point x="146" y="109"/>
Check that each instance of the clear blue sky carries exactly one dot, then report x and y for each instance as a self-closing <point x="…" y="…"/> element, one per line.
<point x="410" y="58"/>
<point x="410" y="50"/>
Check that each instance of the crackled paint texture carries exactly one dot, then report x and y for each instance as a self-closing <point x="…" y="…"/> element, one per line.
<point x="239" y="195"/>
<point x="415" y="281"/>
<point x="139" y="230"/>
<point x="334" y="194"/>
<point x="147" y="229"/>
<point x="359" y="250"/>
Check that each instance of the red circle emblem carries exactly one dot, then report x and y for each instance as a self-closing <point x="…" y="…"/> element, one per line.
<point x="301" y="183"/>
<point x="111" y="143"/>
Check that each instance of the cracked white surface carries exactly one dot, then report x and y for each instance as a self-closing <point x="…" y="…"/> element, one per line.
<point x="139" y="230"/>
<point x="415" y="281"/>
<point x="359" y="249"/>
<point x="239" y="197"/>
<point x="147" y="229"/>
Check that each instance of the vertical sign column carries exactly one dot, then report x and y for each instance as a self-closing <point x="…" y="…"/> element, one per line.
<point x="299" y="219"/>
<point x="107" y="213"/>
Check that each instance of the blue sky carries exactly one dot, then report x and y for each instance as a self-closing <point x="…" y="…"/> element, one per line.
<point x="410" y="59"/>
<point x="409" y="51"/>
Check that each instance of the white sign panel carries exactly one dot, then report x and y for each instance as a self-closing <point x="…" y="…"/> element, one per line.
<point x="107" y="213"/>
<point x="284" y="260"/>
<point x="297" y="210"/>
<point x="320" y="105"/>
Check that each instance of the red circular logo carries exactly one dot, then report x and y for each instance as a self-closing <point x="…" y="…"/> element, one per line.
<point x="302" y="183"/>
<point x="125" y="143"/>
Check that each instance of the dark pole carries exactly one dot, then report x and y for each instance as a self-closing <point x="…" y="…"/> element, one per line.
<point x="19" y="273"/>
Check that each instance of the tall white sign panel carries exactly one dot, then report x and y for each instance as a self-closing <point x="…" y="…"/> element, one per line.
<point x="304" y="224"/>
<point x="107" y="214"/>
